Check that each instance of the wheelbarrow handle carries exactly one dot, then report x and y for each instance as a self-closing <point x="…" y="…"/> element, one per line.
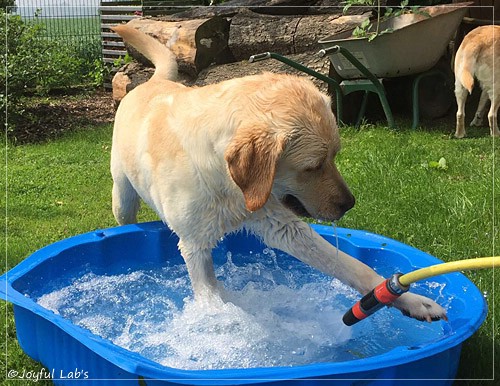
<point x="259" y="57"/>
<point x="329" y="50"/>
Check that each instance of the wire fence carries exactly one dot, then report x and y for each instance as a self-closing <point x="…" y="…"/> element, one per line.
<point x="75" y="22"/>
<point x="78" y="22"/>
<point x="80" y="25"/>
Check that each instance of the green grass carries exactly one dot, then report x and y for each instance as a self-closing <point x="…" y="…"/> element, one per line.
<point x="72" y="26"/>
<point x="62" y="188"/>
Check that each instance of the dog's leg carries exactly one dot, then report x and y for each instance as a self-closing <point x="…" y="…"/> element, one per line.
<point x="293" y="236"/>
<point x="298" y="239"/>
<point x="461" y="96"/>
<point x="201" y="270"/>
<point x="125" y="200"/>
<point x="287" y="232"/>
<point x="492" y="114"/>
<point x="481" y="107"/>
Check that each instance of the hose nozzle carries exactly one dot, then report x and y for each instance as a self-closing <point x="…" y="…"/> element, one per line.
<point x="382" y="295"/>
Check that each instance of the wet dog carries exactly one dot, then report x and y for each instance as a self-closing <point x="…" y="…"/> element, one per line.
<point x="251" y="153"/>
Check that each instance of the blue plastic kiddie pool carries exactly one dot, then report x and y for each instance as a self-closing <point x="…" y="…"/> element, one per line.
<point x="69" y="350"/>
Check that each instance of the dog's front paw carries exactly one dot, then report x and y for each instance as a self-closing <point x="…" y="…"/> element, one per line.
<point x="420" y="307"/>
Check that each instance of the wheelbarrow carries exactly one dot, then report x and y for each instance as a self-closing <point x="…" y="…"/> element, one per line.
<point x="415" y="45"/>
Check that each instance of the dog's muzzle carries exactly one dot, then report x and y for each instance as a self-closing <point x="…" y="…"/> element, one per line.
<point x="341" y="207"/>
<point x="294" y="204"/>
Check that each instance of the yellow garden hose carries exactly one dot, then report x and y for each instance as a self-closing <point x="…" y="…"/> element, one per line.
<point x="392" y="288"/>
<point x="453" y="266"/>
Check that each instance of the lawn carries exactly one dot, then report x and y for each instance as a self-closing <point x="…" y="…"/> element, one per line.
<point x="84" y="32"/>
<point x="62" y="187"/>
<point x="72" y="26"/>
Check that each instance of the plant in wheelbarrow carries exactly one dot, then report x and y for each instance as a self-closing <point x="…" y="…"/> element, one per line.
<point x="371" y="29"/>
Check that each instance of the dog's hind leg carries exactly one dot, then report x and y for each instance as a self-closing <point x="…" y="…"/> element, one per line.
<point x="461" y="95"/>
<point x="480" y="112"/>
<point x="125" y="200"/>
<point x="492" y="114"/>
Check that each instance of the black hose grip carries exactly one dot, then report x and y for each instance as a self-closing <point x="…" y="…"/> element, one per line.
<point x="349" y="319"/>
<point x="363" y="308"/>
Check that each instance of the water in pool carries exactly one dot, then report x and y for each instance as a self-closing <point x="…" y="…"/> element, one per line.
<point x="276" y="312"/>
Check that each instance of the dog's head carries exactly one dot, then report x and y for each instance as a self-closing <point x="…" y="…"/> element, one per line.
<point x="286" y="146"/>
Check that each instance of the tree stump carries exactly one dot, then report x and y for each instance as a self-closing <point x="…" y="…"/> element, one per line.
<point x="253" y="33"/>
<point x="270" y="7"/>
<point x="228" y="71"/>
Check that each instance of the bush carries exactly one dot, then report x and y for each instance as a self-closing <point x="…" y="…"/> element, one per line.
<point x="36" y="65"/>
<point x="7" y="4"/>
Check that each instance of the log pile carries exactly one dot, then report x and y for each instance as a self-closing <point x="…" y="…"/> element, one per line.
<point x="214" y="43"/>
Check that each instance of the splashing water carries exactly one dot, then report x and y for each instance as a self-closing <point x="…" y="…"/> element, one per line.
<point x="273" y="311"/>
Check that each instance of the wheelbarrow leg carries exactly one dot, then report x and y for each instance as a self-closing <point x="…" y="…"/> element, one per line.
<point x="385" y="106"/>
<point x="362" y="108"/>
<point x="387" y="109"/>
<point x="376" y="86"/>
<point x="340" y="106"/>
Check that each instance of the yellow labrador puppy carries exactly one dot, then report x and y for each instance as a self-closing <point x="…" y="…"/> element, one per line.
<point x="249" y="153"/>
<point x="478" y="57"/>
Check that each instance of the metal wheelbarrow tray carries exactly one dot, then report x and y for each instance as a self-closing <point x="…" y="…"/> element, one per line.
<point x="415" y="44"/>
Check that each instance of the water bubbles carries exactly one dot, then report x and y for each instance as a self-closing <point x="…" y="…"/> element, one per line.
<point x="267" y="315"/>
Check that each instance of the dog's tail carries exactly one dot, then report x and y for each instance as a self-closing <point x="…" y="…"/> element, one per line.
<point x="465" y="66"/>
<point x="162" y="58"/>
<point x="466" y="76"/>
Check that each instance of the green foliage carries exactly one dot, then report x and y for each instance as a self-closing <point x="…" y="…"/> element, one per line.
<point x="438" y="165"/>
<point x="35" y="64"/>
<point x="367" y="29"/>
<point x="99" y="72"/>
<point x="350" y="3"/>
<point x="122" y="61"/>
<point x="7" y="4"/>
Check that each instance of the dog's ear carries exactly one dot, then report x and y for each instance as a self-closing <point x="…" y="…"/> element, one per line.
<point x="251" y="158"/>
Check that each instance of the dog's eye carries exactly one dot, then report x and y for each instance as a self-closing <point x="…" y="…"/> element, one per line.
<point x="314" y="168"/>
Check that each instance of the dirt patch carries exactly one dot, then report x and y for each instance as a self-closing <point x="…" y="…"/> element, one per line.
<point x="49" y="118"/>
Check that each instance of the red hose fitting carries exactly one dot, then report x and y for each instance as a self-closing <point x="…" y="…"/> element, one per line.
<point x="382" y="295"/>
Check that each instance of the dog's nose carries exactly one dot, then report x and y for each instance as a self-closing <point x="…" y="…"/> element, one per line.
<point x="347" y="203"/>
